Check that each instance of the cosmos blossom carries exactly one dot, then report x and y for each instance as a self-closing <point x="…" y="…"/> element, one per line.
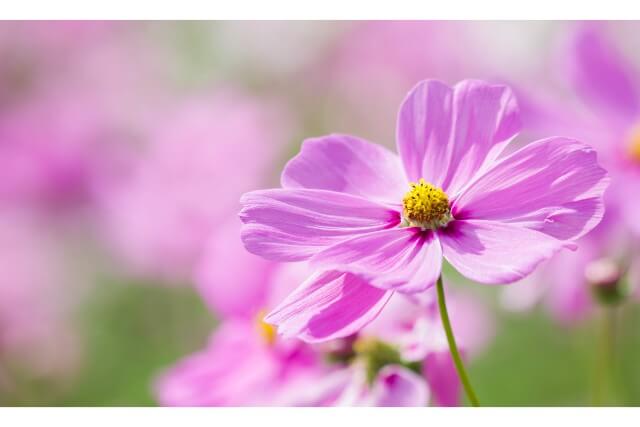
<point x="350" y="205"/>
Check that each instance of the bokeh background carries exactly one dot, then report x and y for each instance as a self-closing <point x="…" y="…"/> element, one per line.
<point x="124" y="147"/>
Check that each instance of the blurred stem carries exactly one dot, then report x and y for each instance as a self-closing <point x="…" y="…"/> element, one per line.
<point x="605" y="363"/>
<point x="453" y="348"/>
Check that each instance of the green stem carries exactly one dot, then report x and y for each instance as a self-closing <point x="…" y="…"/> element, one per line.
<point x="453" y="348"/>
<point x="605" y="364"/>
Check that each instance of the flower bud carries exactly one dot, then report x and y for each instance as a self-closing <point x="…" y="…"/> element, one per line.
<point x="604" y="277"/>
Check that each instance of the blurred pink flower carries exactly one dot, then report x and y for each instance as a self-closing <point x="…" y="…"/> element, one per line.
<point x="603" y="109"/>
<point x="416" y="330"/>
<point x="241" y="367"/>
<point x="342" y="207"/>
<point x="202" y="155"/>
<point x="53" y="152"/>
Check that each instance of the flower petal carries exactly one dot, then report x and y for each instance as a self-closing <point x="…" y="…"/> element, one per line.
<point x="403" y="259"/>
<point x="398" y="386"/>
<point x="440" y="372"/>
<point x="328" y="305"/>
<point x="233" y="370"/>
<point x="293" y="224"/>
<point x="554" y="186"/>
<point x="232" y="281"/>
<point x="446" y="135"/>
<point x="493" y="252"/>
<point x="601" y="75"/>
<point x="347" y="164"/>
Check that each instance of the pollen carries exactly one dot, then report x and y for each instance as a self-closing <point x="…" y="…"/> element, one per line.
<point x="426" y="206"/>
<point x="634" y="145"/>
<point x="267" y="331"/>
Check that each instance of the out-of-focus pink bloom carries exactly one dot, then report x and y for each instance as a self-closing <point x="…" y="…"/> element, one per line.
<point x="36" y="300"/>
<point x="201" y="157"/>
<point x="53" y="153"/>
<point x="242" y="366"/>
<point x="394" y="385"/>
<point x="564" y="284"/>
<point x="417" y="331"/>
<point x="344" y="205"/>
<point x="603" y="110"/>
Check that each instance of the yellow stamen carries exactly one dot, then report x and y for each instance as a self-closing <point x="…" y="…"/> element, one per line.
<point x="267" y="331"/>
<point x="426" y="206"/>
<point x="634" y="145"/>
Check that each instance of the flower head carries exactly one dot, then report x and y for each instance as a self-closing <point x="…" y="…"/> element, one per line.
<point x="494" y="217"/>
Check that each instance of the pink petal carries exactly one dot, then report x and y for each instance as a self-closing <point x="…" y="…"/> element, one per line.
<point x="602" y="76"/>
<point x="293" y="224"/>
<point x="233" y="370"/>
<point x="446" y="135"/>
<point x="493" y="252"/>
<point x="328" y="305"/>
<point x="554" y="186"/>
<point x="347" y="164"/>
<point x="232" y="281"/>
<point x="404" y="259"/>
<point x="441" y="374"/>
<point x="398" y="386"/>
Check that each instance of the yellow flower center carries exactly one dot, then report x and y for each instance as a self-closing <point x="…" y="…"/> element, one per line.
<point x="426" y="206"/>
<point x="634" y="144"/>
<point x="267" y="332"/>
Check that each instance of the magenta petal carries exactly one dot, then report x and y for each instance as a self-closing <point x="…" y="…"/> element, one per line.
<point x="554" y="186"/>
<point x="293" y="224"/>
<point x="232" y="281"/>
<point x="233" y="370"/>
<point x="493" y="252"/>
<point x="328" y="305"/>
<point x="404" y="259"/>
<point x="441" y="374"/>
<point x="398" y="386"/>
<point x="446" y="135"/>
<point x="602" y="76"/>
<point x="347" y="164"/>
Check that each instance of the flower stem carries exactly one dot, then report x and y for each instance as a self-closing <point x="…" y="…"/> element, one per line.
<point x="453" y="348"/>
<point x="605" y="363"/>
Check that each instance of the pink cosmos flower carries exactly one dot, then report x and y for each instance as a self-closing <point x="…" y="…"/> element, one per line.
<point x="349" y="205"/>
